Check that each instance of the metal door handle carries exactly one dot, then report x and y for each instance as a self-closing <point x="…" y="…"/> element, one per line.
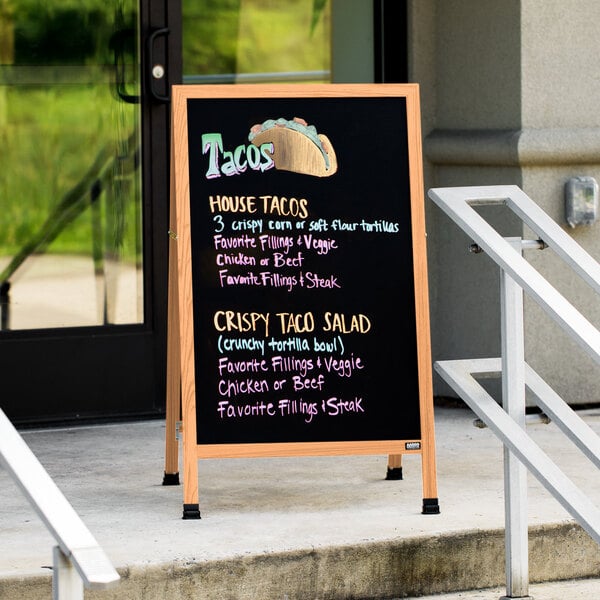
<point x="157" y="70"/>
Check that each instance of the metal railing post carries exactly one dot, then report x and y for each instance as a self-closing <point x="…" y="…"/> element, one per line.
<point x="66" y="582"/>
<point x="513" y="401"/>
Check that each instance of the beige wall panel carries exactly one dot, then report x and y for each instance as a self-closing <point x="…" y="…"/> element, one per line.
<point x="560" y="50"/>
<point x="551" y="352"/>
<point x="478" y="64"/>
<point x="509" y="95"/>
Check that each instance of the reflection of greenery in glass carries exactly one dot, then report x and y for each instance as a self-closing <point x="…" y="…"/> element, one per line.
<point x="255" y="36"/>
<point x="58" y="115"/>
<point x="210" y="36"/>
<point x="60" y="32"/>
<point x="274" y="40"/>
<point x="50" y="142"/>
<point x="69" y="34"/>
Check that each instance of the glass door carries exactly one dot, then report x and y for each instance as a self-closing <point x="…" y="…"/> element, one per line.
<point x="84" y="193"/>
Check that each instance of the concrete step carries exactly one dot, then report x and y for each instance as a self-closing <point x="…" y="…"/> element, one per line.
<point x="302" y="528"/>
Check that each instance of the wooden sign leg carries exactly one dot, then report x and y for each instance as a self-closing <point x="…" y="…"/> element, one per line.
<point x="173" y="402"/>
<point x="431" y="505"/>
<point x="181" y="384"/>
<point x="191" y="505"/>
<point x="394" y="467"/>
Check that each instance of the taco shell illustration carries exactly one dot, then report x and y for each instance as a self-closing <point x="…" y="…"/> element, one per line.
<point x="297" y="146"/>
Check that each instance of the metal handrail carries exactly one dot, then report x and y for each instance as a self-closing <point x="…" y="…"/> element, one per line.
<point x="508" y="422"/>
<point x="78" y="559"/>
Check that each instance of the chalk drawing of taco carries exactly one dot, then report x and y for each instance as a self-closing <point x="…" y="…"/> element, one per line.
<point x="297" y="146"/>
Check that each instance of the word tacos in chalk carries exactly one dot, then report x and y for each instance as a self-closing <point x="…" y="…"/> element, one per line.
<point x="296" y="146"/>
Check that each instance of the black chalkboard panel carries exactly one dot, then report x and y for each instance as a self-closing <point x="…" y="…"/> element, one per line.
<point x="303" y="285"/>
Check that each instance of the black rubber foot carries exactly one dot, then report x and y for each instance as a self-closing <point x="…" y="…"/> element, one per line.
<point x="191" y="511"/>
<point x="431" y="506"/>
<point x="171" y="479"/>
<point x="394" y="473"/>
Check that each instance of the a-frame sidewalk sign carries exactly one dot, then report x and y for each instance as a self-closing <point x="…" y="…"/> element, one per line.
<point x="298" y="296"/>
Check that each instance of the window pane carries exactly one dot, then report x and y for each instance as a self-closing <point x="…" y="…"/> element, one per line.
<point x="70" y="224"/>
<point x="229" y="41"/>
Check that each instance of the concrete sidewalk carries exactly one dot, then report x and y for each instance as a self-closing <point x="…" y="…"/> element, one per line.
<point x="300" y="528"/>
<point x="579" y="589"/>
